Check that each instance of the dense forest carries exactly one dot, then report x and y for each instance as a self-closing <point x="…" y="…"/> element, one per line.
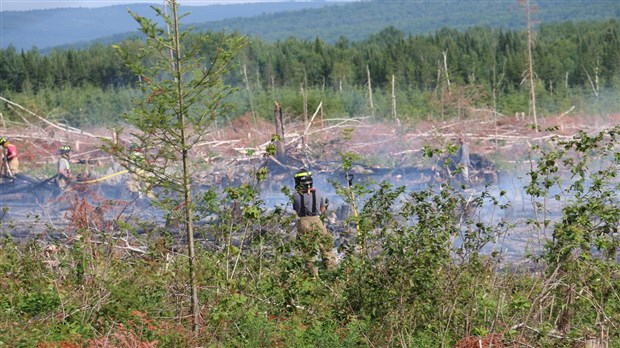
<point x="306" y="20"/>
<point x="360" y="20"/>
<point x="435" y="75"/>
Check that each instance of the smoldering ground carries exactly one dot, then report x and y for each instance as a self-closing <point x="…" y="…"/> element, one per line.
<point x="389" y="154"/>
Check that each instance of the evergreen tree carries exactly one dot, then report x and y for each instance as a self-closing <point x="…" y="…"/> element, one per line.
<point x="183" y="93"/>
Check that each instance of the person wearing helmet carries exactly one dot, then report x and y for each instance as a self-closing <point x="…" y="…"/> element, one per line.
<point x="63" y="166"/>
<point x="463" y="158"/>
<point x="135" y="182"/>
<point x="309" y="204"/>
<point x="10" y="162"/>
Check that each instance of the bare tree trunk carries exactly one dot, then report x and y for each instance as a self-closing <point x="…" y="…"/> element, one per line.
<point x="280" y="149"/>
<point x="437" y="86"/>
<point x="258" y="79"/>
<point x="394" y="113"/>
<point x="495" y="111"/>
<point x="593" y="84"/>
<point x="551" y="87"/>
<point x="304" y="94"/>
<point x="445" y="68"/>
<point x="531" y="63"/>
<point x="372" y="104"/>
<point x="596" y="77"/>
<point x="115" y="137"/>
<point x="247" y="87"/>
<point x="439" y="90"/>
<point x="496" y="83"/>
<point x="442" y="106"/>
<point x="2" y="118"/>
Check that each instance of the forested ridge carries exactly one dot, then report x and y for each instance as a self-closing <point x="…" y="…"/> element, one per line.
<point x="573" y="61"/>
<point x="79" y="26"/>
<point x="357" y="21"/>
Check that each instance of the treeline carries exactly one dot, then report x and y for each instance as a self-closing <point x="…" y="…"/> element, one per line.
<point x="430" y="72"/>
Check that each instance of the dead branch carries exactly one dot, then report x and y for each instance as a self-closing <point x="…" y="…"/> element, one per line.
<point x="62" y="127"/>
<point x="338" y="125"/>
<point x="129" y="247"/>
<point x="594" y="88"/>
<point x="312" y="119"/>
<point x="19" y="113"/>
<point x="275" y="160"/>
<point x="217" y="143"/>
<point x="567" y="112"/>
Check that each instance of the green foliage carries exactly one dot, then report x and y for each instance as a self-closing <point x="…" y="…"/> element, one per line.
<point x="413" y="270"/>
<point x="91" y="86"/>
<point x="423" y="278"/>
<point x="582" y="253"/>
<point x="83" y="106"/>
<point x="181" y="96"/>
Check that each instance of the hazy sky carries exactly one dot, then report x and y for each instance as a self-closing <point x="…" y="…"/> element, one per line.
<point x="22" y="5"/>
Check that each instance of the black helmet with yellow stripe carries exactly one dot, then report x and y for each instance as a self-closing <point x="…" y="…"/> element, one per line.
<point x="65" y="149"/>
<point x="303" y="179"/>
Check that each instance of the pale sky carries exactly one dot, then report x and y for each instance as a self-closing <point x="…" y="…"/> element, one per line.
<point x="23" y="5"/>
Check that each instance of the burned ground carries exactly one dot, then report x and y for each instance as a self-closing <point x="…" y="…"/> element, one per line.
<point x="232" y="153"/>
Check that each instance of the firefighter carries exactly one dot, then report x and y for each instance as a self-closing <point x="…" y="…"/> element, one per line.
<point x="64" y="177"/>
<point x="463" y="158"/>
<point x="10" y="162"/>
<point x="309" y="204"/>
<point x="135" y="183"/>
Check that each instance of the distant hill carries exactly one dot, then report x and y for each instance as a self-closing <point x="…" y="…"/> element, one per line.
<point x="357" y="21"/>
<point x="63" y="26"/>
<point x="303" y="20"/>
